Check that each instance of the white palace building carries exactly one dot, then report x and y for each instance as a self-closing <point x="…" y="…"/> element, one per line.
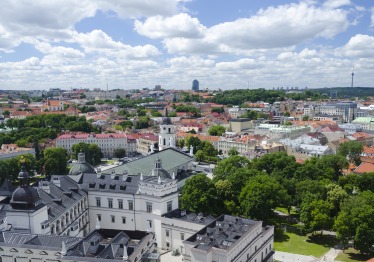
<point x="85" y="216"/>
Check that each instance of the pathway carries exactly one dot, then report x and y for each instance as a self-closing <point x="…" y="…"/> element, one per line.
<point x="332" y="253"/>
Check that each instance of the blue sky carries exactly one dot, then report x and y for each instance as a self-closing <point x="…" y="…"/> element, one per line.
<point x="224" y="44"/>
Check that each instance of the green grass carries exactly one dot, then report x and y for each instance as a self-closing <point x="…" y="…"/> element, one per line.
<point x="309" y="245"/>
<point x="285" y="211"/>
<point x="351" y="255"/>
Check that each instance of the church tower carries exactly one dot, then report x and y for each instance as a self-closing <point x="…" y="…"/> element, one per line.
<point x="166" y="138"/>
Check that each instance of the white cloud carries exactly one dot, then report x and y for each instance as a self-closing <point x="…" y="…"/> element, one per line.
<point x="274" y="27"/>
<point x="336" y="3"/>
<point x="140" y="8"/>
<point x="180" y="25"/>
<point x="372" y="17"/>
<point x="358" y="46"/>
<point x="245" y="63"/>
<point x="55" y="20"/>
<point x="99" y="42"/>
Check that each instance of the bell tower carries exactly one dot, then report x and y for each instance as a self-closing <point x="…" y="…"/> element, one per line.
<point x="166" y="138"/>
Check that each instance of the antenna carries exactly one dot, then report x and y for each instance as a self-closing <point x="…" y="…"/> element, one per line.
<point x="353" y="69"/>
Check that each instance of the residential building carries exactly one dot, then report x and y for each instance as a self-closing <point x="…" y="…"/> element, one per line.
<point x="366" y="123"/>
<point x="146" y="142"/>
<point x="240" y="124"/>
<point x="107" y="142"/>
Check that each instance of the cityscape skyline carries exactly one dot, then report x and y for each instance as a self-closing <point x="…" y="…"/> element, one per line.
<point x="227" y="45"/>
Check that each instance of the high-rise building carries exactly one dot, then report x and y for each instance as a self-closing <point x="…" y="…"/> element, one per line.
<point x="157" y="88"/>
<point x="195" y="85"/>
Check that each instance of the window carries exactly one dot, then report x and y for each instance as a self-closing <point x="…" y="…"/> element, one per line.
<point x="131" y="205"/>
<point x="120" y="204"/>
<point x="113" y="218"/>
<point x="182" y="236"/>
<point x="167" y="232"/>
<point x="99" y="217"/>
<point x="149" y="207"/>
<point x="168" y="245"/>
<point x="110" y="203"/>
<point x="123" y="220"/>
<point x="150" y="223"/>
<point x="170" y="206"/>
<point x="98" y="202"/>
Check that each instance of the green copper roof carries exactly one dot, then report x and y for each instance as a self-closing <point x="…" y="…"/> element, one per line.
<point x="365" y="119"/>
<point x="170" y="158"/>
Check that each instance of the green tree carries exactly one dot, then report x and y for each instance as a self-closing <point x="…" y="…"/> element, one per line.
<point x="119" y="152"/>
<point x="260" y="195"/>
<point x="227" y="167"/>
<point x="216" y="130"/>
<point x="180" y="143"/>
<point x="199" y="155"/>
<point x="142" y="112"/>
<point x="316" y="215"/>
<point x="335" y="162"/>
<point x="233" y="152"/>
<point x="251" y="114"/>
<point x="218" y="110"/>
<point x="126" y="124"/>
<point x="155" y="113"/>
<point x="305" y="118"/>
<point x="226" y="195"/>
<point x="55" y="161"/>
<point x="143" y="122"/>
<point x="199" y="195"/>
<point x="92" y="152"/>
<point x="336" y="196"/>
<point x="352" y="150"/>
<point x="356" y="222"/>
<point x="194" y="142"/>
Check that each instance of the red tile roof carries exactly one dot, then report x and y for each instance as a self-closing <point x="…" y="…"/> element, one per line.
<point x="364" y="168"/>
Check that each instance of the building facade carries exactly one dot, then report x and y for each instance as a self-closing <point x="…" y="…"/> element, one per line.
<point x="106" y="142"/>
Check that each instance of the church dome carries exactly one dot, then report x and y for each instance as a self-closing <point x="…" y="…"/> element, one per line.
<point x="25" y="198"/>
<point x="166" y="120"/>
<point x="81" y="167"/>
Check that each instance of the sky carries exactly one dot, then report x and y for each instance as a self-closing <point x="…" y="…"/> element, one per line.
<point x="234" y="44"/>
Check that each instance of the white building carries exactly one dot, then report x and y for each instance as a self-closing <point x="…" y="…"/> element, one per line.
<point x="167" y="133"/>
<point x="146" y="203"/>
<point x="366" y="123"/>
<point x="107" y="142"/>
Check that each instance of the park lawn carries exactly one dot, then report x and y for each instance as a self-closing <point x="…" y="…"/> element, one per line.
<point x="308" y="245"/>
<point x="351" y="255"/>
<point x="285" y="211"/>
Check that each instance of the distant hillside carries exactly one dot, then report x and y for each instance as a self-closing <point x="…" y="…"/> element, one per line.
<point x="346" y="92"/>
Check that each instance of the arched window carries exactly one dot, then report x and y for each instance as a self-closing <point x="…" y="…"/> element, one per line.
<point x="164" y="141"/>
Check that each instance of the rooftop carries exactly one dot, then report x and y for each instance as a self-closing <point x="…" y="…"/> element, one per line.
<point x="223" y="232"/>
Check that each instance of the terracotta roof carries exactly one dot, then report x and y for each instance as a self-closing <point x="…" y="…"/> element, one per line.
<point x="332" y="128"/>
<point x="368" y="150"/>
<point x="201" y="137"/>
<point x="361" y="135"/>
<point x="85" y="136"/>
<point x="54" y="103"/>
<point x="21" y="113"/>
<point x="364" y="168"/>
